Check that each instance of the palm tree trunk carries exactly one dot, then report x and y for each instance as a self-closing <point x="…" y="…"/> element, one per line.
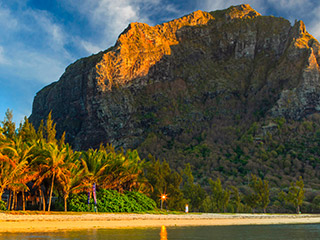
<point x="1" y="193"/>
<point x="9" y="200"/>
<point x="13" y="200"/>
<point x="23" y="201"/>
<point x="65" y="202"/>
<point x="42" y="200"/>
<point x="51" y="190"/>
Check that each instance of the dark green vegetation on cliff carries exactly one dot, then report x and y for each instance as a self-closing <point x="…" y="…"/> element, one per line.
<point x="231" y="92"/>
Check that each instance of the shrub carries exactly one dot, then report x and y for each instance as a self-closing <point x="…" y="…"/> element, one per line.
<point x="3" y="205"/>
<point x="112" y="201"/>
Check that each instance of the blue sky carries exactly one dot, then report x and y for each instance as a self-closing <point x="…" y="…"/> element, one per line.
<point x="40" y="38"/>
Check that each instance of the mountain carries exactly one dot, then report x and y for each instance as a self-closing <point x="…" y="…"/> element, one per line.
<point x="230" y="91"/>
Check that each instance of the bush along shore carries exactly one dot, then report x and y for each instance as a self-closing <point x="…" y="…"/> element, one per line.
<point x="41" y="172"/>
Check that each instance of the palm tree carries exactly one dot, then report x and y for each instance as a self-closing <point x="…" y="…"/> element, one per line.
<point x="94" y="166"/>
<point x="21" y="154"/>
<point x="6" y="172"/>
<point x="111" y="175"/>
<point x="134" y="169"/>
<point x="124" y="171"/>
<point x="6" y="165"/>
<point x="71" y="180"/>
<point x="50" y="164"/>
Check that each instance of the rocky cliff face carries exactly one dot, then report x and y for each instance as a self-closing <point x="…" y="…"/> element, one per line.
<point x="202" y="72"/>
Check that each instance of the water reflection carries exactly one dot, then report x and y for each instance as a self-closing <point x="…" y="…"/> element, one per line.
<point x="163" y="233"/>
<point x="250" y="232"/>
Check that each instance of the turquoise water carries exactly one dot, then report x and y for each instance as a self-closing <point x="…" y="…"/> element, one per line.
<point x="291" y="232"/>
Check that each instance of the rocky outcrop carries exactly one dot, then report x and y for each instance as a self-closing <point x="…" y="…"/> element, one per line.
<point x="217" y="69"/>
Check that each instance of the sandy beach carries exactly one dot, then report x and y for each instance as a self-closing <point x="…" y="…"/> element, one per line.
<point x="55" y="222"/>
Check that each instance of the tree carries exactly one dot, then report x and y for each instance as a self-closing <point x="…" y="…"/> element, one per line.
<point x="20" y="153"/>
<point x="192" y="192"/>
<point x="8" y="126"/>
<point x="50" y="129"/>
<point x="220" y="196"/>
<point x="259" y="195"/>
<point x="27" y="132"/>
<point x="122" y="172"/>
<point x="264" y="194"/>
<point x="40" y="131"/>
<point x="165" y="181"/>
<point x="252" y="201"/>
<point x="71" y="179"/>
<point x="235" y="199"/>
<point x="7" y="168"/>
<point x="94" y="166"/>
<point x="50" y="164"/>
<point x="295" y="195"/>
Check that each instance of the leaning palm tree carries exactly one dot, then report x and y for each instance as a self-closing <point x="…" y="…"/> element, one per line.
<point x="21" y="154"/>
<point x="50" y="162"/>
<point x="7" y="168"/>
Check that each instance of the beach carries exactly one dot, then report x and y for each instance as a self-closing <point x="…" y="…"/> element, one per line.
<point x="56" y="222"/>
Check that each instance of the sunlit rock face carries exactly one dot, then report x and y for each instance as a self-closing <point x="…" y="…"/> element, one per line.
<point x="224" y="68"/>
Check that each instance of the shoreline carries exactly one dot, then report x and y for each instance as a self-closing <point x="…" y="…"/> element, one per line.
<point x="67" y="222"/>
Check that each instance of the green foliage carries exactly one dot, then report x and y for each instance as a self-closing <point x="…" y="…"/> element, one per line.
<point x="145" y="203"/>
<point x="219" y="198"/>
<point x="3" y="205"/>
<point x="235" y="200"/>
<point x="78" y="203"/>
<point x="316" y="204"/>
<point x="8" y="126"/>
<point x="193" y="193"/>
<point x="27" y="132"/>
<point x="259" y="194"/>
<point x="165" y="181"/>
<point x="264" y="150"/>
<point x="112" y="201"/>
<point x="50" y="130"/>
<point x="295" y="194"/>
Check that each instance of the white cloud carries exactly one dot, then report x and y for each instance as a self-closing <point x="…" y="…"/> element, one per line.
<point x="314" y="25"/>
<point x="314" y="29"/>
<point x="33" y="45"/>
<point x="7" y="21"/>
<point x="40" y="23"/>
<point x="90" y="47"/>
<point x="115" y="16"/>
<point x="111" y="17"/>
<point x="53" y="32"/>
<point x="290" y="4"/>
<point x="3" y="60"/>
<point x="37" y="66"/>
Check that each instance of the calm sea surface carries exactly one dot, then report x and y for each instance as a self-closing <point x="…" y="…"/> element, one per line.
<point x="291" y="232"/>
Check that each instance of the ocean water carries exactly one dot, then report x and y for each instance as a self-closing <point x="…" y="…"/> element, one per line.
<point x="291" y="232"/>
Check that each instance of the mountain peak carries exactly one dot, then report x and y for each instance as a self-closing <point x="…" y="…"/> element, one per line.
<point x="239" y="11"/>
<point x="140" y="46"/>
